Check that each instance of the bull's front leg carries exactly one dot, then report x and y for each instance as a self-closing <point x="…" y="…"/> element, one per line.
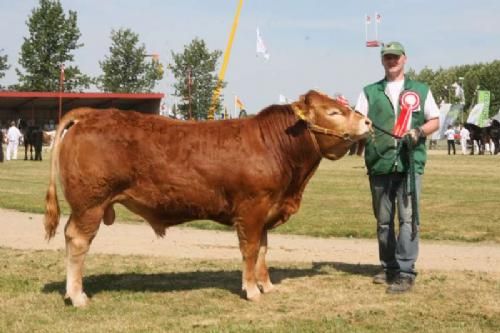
<point x="249" y="239"/>
<point x="262" y="273"/>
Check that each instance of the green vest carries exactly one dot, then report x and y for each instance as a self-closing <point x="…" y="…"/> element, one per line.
<point x="380" y="150"/>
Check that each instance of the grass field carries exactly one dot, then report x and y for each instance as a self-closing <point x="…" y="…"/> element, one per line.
<point x="460" y="199"/>
<point x="157" y="294"/>
<point x="152" y="294"/>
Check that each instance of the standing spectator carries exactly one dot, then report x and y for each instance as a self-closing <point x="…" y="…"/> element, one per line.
<point x="396" y="97"/>
<point x="450" y="136"/>
<point x="464" y="136"/>
<point x="13" y="136"/>
<point x="1" y="145"/>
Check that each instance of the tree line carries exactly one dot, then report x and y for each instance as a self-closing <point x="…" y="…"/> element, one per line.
<point x="128" y="68"/>
<point x="470" y="78"/>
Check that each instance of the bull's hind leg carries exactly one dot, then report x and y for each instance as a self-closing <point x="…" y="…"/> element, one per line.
<point x="79" y="232"/>
<point x="262" y="273"/>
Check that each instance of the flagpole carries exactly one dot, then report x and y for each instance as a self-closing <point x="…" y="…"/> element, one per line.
<point x="376" y="26"/>
<point x="61" y="87"/>
<point x="227" y="53"/>
<point x="366" y="27"/>
<point x="235" y="113"/>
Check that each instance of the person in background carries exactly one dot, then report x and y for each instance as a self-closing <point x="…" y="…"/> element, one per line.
<point x="450" y="137"/>
<point x="1" y="146"/>
<point x="464" y="136"/>
<point x="13" y="136"/>
<point x="396" y="104"/>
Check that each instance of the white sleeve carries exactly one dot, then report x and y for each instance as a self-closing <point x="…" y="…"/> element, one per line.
<point x="362" y="104"/>
<point x="431" y="109"/>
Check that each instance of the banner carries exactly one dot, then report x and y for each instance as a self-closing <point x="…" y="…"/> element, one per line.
<point x="483" y="97"/>
<point x="449" y="114"/>
<point x="475" y="113"/>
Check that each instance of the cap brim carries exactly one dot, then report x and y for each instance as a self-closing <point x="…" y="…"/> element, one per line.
<point x="394" y="52"/>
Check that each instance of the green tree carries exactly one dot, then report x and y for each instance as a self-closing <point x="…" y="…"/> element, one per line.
<point x="489" y="79"/>
<point x="127" y="69"/>
<point x="470" y="77"/>
<point x="196" y="79"/>
<point x="3" y="66"/>
<point x="52" y="38"/>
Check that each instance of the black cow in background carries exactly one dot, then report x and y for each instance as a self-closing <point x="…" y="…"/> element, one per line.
<point x="483" y="135"/>
<point x="33" y="139"/>
<point x="478" y="135"/>
<point x="494" y="133"/>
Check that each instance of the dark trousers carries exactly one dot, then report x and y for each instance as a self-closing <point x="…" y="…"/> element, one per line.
<point x="451" y="144"/>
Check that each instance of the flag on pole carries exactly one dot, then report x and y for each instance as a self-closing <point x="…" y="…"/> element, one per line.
<point x="378" y="18"/>
<point x="367" y="19"/>
<point x="283" y="100"/>
<point x="238" y="103"/>
<point x="261" y="47"/>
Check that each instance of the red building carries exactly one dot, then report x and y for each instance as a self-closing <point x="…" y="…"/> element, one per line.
<point x="44" y="108"/>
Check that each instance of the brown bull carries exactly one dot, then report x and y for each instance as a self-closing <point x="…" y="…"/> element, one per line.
<point x="247" y="173"/>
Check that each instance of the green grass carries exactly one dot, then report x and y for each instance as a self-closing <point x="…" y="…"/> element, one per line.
<point x="161" y="294"/>
<point x="153" y="294"/>
<point x="460" y="198"/>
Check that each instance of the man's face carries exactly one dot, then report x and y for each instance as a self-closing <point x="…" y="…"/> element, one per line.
<point x="394" y="64"/>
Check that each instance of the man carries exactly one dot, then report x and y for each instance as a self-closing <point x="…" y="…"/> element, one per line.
<point x="450" y="139"/>
<point x="464" y="136"/>
<point x="407" y="109"/>
<point x="13" y="136"/>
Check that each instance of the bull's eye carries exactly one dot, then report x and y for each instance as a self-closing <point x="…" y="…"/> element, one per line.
<point x="333" y="112"/>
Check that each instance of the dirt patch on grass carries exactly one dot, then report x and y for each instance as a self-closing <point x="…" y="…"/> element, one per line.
<point x="25" y="231"/>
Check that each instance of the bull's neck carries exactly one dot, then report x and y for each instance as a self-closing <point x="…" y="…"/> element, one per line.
<point x="296" y="151"/>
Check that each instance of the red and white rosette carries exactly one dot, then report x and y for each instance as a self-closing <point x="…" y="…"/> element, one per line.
<point x="410" y="102"/>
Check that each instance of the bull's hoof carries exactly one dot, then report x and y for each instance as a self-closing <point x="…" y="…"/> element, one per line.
<point x="253" y="294"/>
<point x="78" y="301"/>
<point x="267" y="287"/>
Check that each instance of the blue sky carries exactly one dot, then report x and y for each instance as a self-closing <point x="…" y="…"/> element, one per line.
<point x="313" y="44"/>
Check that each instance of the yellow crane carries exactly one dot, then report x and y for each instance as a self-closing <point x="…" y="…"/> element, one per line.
<point x="227" y="53"/>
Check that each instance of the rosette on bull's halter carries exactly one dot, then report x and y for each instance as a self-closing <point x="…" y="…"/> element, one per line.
<point x="410" y="102"/>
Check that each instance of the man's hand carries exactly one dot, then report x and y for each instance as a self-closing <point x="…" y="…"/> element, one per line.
<point x="415" y="134"/>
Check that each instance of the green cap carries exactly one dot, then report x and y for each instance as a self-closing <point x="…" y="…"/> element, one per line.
<point x="392" y="48"/>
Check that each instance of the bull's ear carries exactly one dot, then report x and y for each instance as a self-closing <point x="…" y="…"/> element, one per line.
<point x="302" y="111"/>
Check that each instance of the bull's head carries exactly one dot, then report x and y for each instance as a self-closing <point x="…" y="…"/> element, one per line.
<point x="334" y="126"/>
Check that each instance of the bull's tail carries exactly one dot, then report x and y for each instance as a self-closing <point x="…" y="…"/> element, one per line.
<point x="52" y="210"/>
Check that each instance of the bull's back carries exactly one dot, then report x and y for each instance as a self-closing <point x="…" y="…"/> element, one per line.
<point x="166" y="166"/>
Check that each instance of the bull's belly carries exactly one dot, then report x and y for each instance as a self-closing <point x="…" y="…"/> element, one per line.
<point x="177" y="209"/>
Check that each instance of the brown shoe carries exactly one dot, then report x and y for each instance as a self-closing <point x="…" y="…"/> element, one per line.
<point x="384" y="277"/>
<point x="401" y="284"/>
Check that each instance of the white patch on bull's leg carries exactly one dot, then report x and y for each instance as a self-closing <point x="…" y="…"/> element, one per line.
<point x="262" y="273"/>
<point x="77" y="246"/>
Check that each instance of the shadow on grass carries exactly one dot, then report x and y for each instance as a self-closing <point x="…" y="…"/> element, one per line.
<point x="354" y="269"/>
<point x="168" y="282"/>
